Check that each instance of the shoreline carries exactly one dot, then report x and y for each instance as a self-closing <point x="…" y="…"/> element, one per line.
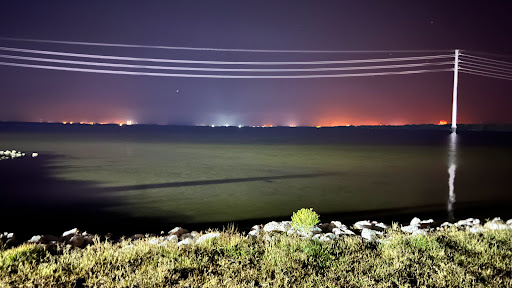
<point x="365" y="229"/>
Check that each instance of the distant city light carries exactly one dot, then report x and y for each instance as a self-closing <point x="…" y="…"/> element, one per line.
<point x="442" y="122"/>
<point x="64" y="123"/>
<point x="318" y="127"/>
<point x="239" y="126"/>
<point x="129" y="122"/>
<point x="213" y="126"/>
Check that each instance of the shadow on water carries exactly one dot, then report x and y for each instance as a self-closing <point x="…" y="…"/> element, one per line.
<point x="212" y="182"/>
<point x="34" y="201"/>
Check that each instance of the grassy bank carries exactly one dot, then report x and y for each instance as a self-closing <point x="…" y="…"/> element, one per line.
<point x="442" y="259"/>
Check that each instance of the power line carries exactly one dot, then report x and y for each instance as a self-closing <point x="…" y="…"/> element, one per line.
<point x="222" y="69"/>
<point x="489" y="54"/>
<point x="487" y="65"/>
<point x="222" y="62"/>
<point x="492" y="69"/>
<point x="219" y="76"/>
<point x="218" y="49"/>
<point x="497" y="62"/>
<point x="485" y="73"/>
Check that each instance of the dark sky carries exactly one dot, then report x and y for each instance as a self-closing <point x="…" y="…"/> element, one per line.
<point x="43" y="95"/>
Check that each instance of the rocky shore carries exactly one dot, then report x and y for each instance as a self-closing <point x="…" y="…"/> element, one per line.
<point x="12" y="154"/>
<point x="365" y="230"/>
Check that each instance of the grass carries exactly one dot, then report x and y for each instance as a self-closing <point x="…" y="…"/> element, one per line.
<point x="442" y="259"/>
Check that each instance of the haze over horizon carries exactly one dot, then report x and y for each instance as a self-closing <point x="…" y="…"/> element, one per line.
<point x="36" y="95"/>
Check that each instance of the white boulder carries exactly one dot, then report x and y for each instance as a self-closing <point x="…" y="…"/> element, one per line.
<point x="70" y="232"/>
<point x="34" y="155"/>
<point x="207" y="236"/>
<point x="277" y="227"/>
<point x="369" y="234"/>
<point x="188" y="241"/>
<point x="327" y="237"/>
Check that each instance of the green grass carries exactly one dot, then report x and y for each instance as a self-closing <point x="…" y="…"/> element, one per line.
<point x="442" y="259"/>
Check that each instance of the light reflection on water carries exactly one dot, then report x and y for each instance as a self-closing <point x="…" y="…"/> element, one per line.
<point x="452" y="160"/>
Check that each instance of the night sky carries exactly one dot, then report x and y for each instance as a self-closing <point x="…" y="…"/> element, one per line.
<point x="29" y="94"/>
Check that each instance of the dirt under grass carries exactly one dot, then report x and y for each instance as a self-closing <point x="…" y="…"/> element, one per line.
<point x="442" y="259"/>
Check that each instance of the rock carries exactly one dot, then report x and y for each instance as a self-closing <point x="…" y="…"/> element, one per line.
<point x="186" y="236"/>
<point x="207" y="237"/>
<point x="342" y="232"/>
<point x="446" y="225"/>
<point x="194" y="234"/>
<point x="509" y="222"/>
<point x="476" y="229"/>
<point x="327" y="237"/>
<point x="316" y="237"/>
<point x="468" y="222"/>
<point x="315" y="230"/>
<point x="419" y="232"/>
<point x="338" y="224"/>
<point x="287" y="225"/>
<point x="136" y="237"/>
<point x="425" y="224"/>
<point x="415" y="221"/>
<point x="43" y="239"/>
<point x="253" y="234"/>
<point x="7" y="153"/>
<point x="360" y="225"/>
<point x="256" y="227"/>
<point x="275" y="227"/>
<point x="369" y="234"/>
<point x="374" y="225"/>
<point x="8" y="240"/>
<point x="293" y="232"/>
<point x="35" y="239"/>
<point x="109" y="237"/>
<point x="18" y="154"/>
<point x="34" y="155"/>
<point x="410" y="229"/>
<point x="89" y="239"/>
<point x="178" y="231"/>
<point x="172" y="238"/>
<point x="188" y="241"/>
<point x="378" y="226"/>
<point x="154" y="241"/>
<point x="326" y="227"/>
<point x="1" y="153"/>
<point x="77" y="241"/>
<point x="70" y="233"/>
<point x="496" y="226"/>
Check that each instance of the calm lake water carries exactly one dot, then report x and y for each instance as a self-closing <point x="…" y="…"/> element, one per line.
<point x="148" y="178"/>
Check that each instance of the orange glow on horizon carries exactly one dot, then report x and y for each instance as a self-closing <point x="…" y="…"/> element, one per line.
<point x="442" y="122"/>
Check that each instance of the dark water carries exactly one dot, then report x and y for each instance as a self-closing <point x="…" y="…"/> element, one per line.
<point x="150" y="178"/>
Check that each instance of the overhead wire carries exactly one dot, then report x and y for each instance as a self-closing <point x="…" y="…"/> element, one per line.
<point x="485" y="73"/>
<point x="496" y="62"/>
<point x="486" y="65"/>
<point x="486" y="69"/>
<point x="104" y="64"/>
<point x="217" y="49"/>
<point x="96" y="56"/>
<point x="488" y="54"/>
<point x="119" y="72"/>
